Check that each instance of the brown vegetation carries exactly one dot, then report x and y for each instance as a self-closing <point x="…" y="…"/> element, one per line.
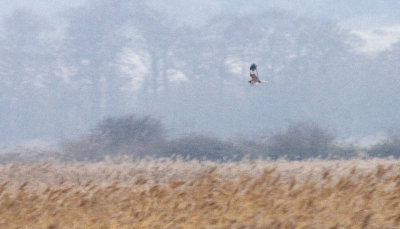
<point x="201" y="194"/>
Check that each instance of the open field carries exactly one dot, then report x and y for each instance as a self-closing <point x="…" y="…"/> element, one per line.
<point x="201" y="194"/>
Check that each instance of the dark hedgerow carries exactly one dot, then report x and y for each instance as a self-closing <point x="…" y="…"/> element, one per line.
<point x="145" y="136"/>
<point x="300" y="141"/>
<point x="128" y="135"/>
<point x="389" y="147"/>
<point x="202" y="147"/>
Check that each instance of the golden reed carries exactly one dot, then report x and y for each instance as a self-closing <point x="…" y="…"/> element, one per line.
<point x="201" y="194"/>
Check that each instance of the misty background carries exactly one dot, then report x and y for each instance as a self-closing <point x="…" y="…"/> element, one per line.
<point x="65" y="66"/>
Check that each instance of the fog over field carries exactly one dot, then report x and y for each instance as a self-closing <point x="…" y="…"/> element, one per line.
<point x="139" y="114"/>
<point x="65" y="66"/>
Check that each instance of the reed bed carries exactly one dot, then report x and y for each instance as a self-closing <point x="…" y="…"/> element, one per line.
<point x="167" y="193"/>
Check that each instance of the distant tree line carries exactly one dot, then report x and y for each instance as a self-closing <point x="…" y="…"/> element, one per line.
<point x="122" y="56"/>
<point x="141" y="137"/>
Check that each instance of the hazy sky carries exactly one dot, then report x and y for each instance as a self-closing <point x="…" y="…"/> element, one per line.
<point x="362" y="17"/>
<point x="349" y="13"/>
<point x="42" y="7"/>
<point x="353" y="14"/>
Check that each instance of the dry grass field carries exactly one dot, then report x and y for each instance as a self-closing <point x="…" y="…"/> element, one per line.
<point x="201" y="194"/>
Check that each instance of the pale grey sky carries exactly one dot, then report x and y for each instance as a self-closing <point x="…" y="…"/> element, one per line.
<point x="352" y="14"/>
<point x="42" y="7"/>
